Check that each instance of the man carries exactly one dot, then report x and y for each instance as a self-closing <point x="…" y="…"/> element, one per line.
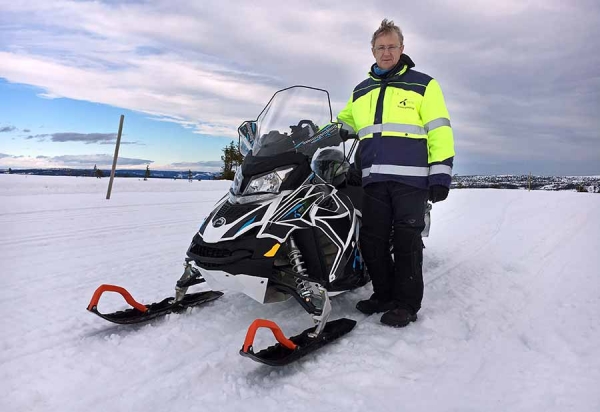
<point x="406" y="156"/>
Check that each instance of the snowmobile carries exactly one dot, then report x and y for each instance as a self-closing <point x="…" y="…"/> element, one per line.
<point x="287" y="228"/>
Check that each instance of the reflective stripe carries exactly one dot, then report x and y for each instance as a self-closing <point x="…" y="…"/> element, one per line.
<point x="397" y="170"/>
<point x="440" y="169"/>
<point x="439" y="122"/>
<point x="346" y="126"/>
<point x="407" y="170"/>
<point x="391" y="127"/>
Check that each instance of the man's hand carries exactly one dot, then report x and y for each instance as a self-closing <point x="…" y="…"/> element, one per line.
<point x="346" y="135"/>
<point x="354" y="177"/>
<point x="437" y="193"/>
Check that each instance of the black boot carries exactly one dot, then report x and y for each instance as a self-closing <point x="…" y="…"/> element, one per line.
<point x="398" y="317"/>
<point x="374" y="305"/>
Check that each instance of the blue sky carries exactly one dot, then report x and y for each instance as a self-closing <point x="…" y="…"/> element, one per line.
<point x="49" y="130"/>
<point x="520" y="78"/>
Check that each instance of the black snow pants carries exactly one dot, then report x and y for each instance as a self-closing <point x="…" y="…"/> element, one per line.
<point x="386" y="205"/>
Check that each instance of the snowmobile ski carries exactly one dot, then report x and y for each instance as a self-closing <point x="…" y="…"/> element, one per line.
<point x="289" y="350"/>
<point x="141" y="313"/>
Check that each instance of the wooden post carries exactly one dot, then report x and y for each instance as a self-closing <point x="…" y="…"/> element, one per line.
<point x="114" y="166"/>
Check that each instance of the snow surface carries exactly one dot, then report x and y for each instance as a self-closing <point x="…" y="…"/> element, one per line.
<point x="509" y="320"/>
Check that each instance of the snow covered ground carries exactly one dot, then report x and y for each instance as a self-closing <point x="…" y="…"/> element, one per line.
<point x="509" y="320"/>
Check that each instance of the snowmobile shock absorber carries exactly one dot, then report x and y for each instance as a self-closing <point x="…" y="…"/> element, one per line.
<point x="295" y="257"/>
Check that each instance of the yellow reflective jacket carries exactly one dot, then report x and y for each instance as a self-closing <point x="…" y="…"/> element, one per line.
<point x="403" y="126"/>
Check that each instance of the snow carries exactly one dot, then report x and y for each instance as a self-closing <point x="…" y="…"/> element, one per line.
<point x="509" y="319"/>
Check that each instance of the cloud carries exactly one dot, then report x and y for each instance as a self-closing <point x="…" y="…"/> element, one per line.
<point x="26" y="130"/>
<point x="40" y="137"/>
<point x="123" y="142"/>
<point x="71" y="161"/>
<point x="520" y="78"/>
<point x="9" y="156"/>
<point x="98" y="159"/>
<point x="87" y="138"/>
<point x="199" y="164"/>
<point x="84" y="137"/>
<point x="7" y="129"/>
<point x="202" y="165"/>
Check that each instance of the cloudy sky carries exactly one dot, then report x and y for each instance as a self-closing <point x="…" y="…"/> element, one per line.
<point x="521" y="78"/>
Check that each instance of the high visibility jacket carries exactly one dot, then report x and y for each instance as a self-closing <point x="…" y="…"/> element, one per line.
<point x="403" y="126"/>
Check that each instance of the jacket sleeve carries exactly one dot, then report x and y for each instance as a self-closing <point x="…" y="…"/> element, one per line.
<point x="440" y="139"/>
<point x="346" y="119"/>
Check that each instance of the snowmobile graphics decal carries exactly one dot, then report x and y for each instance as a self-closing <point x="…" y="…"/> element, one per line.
<point x="313" y="206"/>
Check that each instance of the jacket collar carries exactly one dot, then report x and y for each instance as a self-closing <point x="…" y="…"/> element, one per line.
<point x="404" y="63"/>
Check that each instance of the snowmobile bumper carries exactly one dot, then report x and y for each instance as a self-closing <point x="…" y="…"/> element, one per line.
<point x="253" y="286"/>
<point x="289" y="350"/>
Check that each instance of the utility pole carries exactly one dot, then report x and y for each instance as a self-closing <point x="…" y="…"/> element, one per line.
<point x="114" y="165"/>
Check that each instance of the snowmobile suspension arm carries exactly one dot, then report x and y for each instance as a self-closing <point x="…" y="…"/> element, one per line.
<point x="264" y="323"/>
<point x="112" y="288"/>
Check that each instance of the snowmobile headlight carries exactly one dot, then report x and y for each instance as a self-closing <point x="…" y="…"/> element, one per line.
<point x="269" y="183"/>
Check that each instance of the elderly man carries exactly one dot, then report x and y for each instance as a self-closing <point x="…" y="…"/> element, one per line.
<point x="406" y="156"/>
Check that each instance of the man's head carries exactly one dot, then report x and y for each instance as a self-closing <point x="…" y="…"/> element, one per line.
<point x="387" y="44"/>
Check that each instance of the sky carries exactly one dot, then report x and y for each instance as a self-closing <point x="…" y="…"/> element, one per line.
<point x="509" y="320"/>
<point x="520" y="78"/>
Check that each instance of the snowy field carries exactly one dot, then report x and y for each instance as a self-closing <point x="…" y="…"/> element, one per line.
<point x="510" y="319"/>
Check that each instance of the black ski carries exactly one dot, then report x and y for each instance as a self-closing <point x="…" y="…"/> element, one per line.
<point x="282" y="353"/>
<point x="143" y="313"/>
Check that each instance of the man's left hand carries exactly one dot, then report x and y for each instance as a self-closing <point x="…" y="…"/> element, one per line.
<point x="437" y="193"/>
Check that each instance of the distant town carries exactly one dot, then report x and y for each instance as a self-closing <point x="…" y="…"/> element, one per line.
<point x="529" y="182"/>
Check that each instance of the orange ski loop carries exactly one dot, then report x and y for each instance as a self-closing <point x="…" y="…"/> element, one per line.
<point x="264" y="323"/>
<point x="112" y="288"/>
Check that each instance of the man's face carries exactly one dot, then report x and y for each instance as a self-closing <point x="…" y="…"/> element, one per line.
<point x="387" y="50"/>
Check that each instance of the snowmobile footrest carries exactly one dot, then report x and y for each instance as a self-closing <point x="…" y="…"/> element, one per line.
<point x="142" y="313"/>
<point x="292" y="349"/>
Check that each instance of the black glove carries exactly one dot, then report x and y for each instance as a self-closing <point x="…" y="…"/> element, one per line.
<point x="346" y="135"/>
<point x="437" y="193"/>
<point x="354" y="177"/>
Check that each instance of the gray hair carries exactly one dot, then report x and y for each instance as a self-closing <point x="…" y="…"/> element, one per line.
<point x="387" y="26"/>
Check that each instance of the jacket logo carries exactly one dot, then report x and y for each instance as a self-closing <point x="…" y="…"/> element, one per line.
<point x="406" y="104"/>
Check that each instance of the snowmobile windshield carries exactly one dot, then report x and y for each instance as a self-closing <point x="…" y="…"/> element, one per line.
<point x="296" y="119"/>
